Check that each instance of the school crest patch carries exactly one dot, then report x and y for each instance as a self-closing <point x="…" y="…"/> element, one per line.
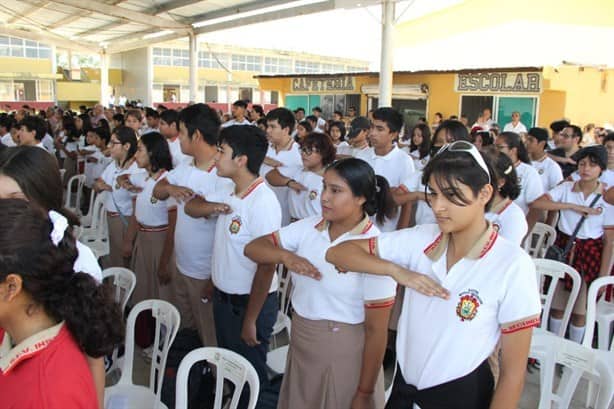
<point x="313" y="194"/>
<point x="235" y="225"/>
<point x="153" y="200"/>
<point x="468" y="304"/>
<point x="541" y="171"/>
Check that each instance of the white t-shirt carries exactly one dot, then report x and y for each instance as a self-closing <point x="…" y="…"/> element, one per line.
<point x="119" y="196"/>
<point x="531" y="186"/>
<point x="255" y="213"/>
<point x="419" y="164"/>
<point x="424" y="212"/>
<point x="493" y="290"/>
<point x="194" y="236"/>
<point x="509" y="220"/>
<point x="235" y="122"/>
<point x="396" y="166"/>
<point x="48" y="143"/>
<point x="292" y="165"/>
<point x="549" y="172"/>
<point x="344" y="146"/>
<point x="306" y="203"/>
<point x="95" y="170"/>
<point x="607" y="178"/>
<point x="7" y="140"/>
<point x="148" y="210"/>
<point x="363" y="153"/>
<point x="177" y="156"/>
<point x="86" y="262"/>
<point x="594" y="225"/>
<point x="335" y="297"/>
<point x="518" y="128"/>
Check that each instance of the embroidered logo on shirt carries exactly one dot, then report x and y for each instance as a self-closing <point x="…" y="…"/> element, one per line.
<point x="235" y="225"/>
<point x="313" y="194"/>
<point x="153" y="200"/>
<point x="468" y="304"/>
<point x="496" y="227"/>
<point x="541" y="171"/>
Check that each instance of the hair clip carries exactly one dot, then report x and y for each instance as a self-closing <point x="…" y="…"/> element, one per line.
<point x="508" y="170"/>
<point x="60" y="224"/>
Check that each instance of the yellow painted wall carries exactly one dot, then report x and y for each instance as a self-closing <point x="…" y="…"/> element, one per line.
<point x="181" y="75"/>
<point x="25" y="65"/>
<point x="115" y="75"/>
<point x="551" y="107"/>
<point x="84" y="91"/>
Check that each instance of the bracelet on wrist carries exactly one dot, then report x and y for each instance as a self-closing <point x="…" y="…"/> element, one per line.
<point x="290" y="181"/>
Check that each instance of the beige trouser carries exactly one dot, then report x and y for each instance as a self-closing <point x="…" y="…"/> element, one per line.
<point x="194" y="312"/>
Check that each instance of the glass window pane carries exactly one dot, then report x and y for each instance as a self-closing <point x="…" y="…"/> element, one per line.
<point x="31" y="43"/>
<point x="16" y="41"/>
<point x="17" y="51"/>
<point x="4" y="40"/>
<point x="31" y="53"/>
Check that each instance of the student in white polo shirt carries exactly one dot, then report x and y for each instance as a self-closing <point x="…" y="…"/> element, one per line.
<point x="549" y="171"/>
<point x="283" y="158"/>
<point x="243" y="322"/>
<point x="591" y="255"/>
<point x="32" y="130"/>
<point x="340" y="324"/>
<point x="169" y="127"/>
<point x="443" y="344"/>
<point x="357" y="136"/>
<point x="199" y="127"/>
<point x="387" y="159"/>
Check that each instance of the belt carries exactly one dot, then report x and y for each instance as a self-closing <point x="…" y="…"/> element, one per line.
<point x="113" y="214"/>
<point x="152" y="229"/>
<point x="238" y="300"/>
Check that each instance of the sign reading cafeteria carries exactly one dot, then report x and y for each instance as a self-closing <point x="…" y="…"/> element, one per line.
<point x="499" y="82"/>
<point x="310" y="84"/>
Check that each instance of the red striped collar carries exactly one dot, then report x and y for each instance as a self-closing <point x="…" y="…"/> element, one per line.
<point x="501" y="206"/>
<point x="251" y="188"/>
<point x="361" y="228"/>
<point x="482" y="246"/>
<point x="12" y="356"/>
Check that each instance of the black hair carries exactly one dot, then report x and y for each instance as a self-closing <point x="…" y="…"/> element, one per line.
<point x="300" y="109"/>
<point x="136" y="113"/>
<point x="608" y="138"/>
<point x="439" y="114"/>
<point x="285" y="118"/>
<point x="425" y="147"/>
<point x="312" y="118"/>
<point x="126" y="135"/>
<point x="505" y="171"/>
<point x="38" y="176"/>
<point x="170" y="116"/>
<point x="558" y="126"/>
<point x="7" y="122"/>
<point x="86" y="121"/>
<point x="119" y="118"/>
<point x="240" y="103"/>
<point x="392" y="117"/>
<point x="249" y="141"/>
<point x="363" y="182"/>
<point x="70" y="129"/>
<point x="317" y="109"/>
<point x="323" y="144"/>
<point x="338" y="113"/>
<point x="261" y="121"/>
<point x="103" y="133"/>
<point x="152" y="113"/>
<point x="512" y="140"/>
<point x="455" y="129"/>
<point x="306" y="124"/>
<point x="48" y="277"/>
<point x="577" y="132"/>
<point x="203" y="118"/>
<point x="258" y="109"/>
<point x="158" y="151"/>
<point x="36" y="124"/>
<point x="339" y="125"/>
<point x="450" y="168"/>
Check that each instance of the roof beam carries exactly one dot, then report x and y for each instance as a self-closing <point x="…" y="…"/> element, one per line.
<point x="123" y="13"/>
<point x="47" y="37"/>
<point x="36" y="6"/>
<point x="171" y="5"/>
<point x="67" y="20"/>
<point x="255" y="5"/>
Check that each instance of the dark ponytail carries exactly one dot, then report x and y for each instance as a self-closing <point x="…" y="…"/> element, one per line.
<point x="505" y="171"/>
<point x="512" y="139"/>
<point x="26" y="249"/>
<point x="363" y="182"/>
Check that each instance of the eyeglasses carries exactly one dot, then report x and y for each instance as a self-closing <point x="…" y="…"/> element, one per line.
<point x="309" y="151"/>
<point x="467" y="147"/>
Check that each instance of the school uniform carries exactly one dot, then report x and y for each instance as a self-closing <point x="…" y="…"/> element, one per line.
<point x="419" y="164"/>
<point x="177" y="155"/>
<point x="363" y="153"/>
<point x="396" y="166"/>
<point x="509" y="220"/>
<point x="70" y="164"/>
<point x="7" y="140"/>
<point x="531" y="186"/>
<point x="424" y="213"/>
<point x="443" y="345"/>
<point x="606" y="178"/>
<point x="549" y="172"/>
<point x="86" y="262"/>
<point x="588" y="246"/>
<point x="327" y="343"/>
<point x="194" y="248"/>
<point x="255" y="213"/>
<point x="518" y="128"/>
<point x="93" y="170"/>
<point x="48" y="143"/>
<point x="292" y="165"/>
<point x="342" y="145"/>
<point x="46" y="370"/>
<point x="306" y="203"/>
<point x="118" y="204"/>
<point x="152" y="218"/>
<point x="232" y="122"/>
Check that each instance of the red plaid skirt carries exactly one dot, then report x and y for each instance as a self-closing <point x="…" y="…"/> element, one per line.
<point x="584" y="256"/>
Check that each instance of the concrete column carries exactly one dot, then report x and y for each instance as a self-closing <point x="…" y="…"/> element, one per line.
<point x="148" y="97"/>
<point x="385" y="71"/>
<point x="194" y="68"/>
<point x="104" y="78"/>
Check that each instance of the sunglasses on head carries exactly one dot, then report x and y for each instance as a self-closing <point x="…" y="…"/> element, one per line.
<point x="467" y="147"/>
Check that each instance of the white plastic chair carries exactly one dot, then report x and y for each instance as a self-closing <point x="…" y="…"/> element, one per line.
<point x="541" y="237"/>
<point x="96" y="237"/>
<point x="125" y="394"/>
<point x="229" y="365"/>
<point x="276" y="357"/>
<point x="86" y="219"/>
<point x="576" y="360"/>
<point x="124" y="282"/>
<point x="75" y="181"/>
<point x="556" y="271"/>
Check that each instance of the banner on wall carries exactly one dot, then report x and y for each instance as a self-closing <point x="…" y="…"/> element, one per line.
<point x="342" y="84"/>
<point x="499" y="82"/>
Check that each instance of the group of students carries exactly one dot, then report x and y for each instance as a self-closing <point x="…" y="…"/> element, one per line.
<point x="358" y="224"/>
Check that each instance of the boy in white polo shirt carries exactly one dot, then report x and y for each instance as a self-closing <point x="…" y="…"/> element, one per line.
<point x="169" y="127"/>
<point x="249" y="210"/>
<point x="387" y="159"/>
<point x="549" y="171"/>
<point x="199" y="129"/>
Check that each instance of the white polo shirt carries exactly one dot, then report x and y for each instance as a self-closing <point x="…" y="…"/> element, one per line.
<point x="232" y="122"/>
<point x="95" y="170"/>
<point x="396" y="166"/>
<point x="292" y="165"/>
<point x="119" y="196"/>
<point x="607" y="178"/>
<point x="7" y="140"/>
<point x="48" y="143"/>
<point x="255" y="213"/>
<point x="594" y="225"/>
<point x="194" y="236"/>
<point x="424" y="213"/>
<point x="549" y="172"/>
<point x="177" y="156"/>
<point x="148" y="210"/>
<point x="306" y="203"/>
<point x="492" y="291"/>
<point x="531" y="186"/>
<point x="335" y="297"/>
<point x="518" y="128"/>
<point x="419" y="164"/>
<point x="509" y="221"/>
<point x="364" y="153"/>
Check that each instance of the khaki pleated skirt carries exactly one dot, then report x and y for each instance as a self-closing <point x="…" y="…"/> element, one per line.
<point x="70" y="165"/>
<point x="323" y="366"/>
<point x="116" y="240"/>
<point x="146" y="253"/>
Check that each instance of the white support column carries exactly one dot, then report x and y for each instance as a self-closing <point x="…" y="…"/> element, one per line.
<point x="104" y="78"/>
<point x="193" y="68"/>
<point x="148" y="97"/>
<point x="54" y="59"/>
<point x="385" y="70"/>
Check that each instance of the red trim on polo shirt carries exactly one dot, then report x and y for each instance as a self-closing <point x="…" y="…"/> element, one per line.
<point x="491" y="242"/>
<point x="380" y="304"/>
<point x="372" y="246"/>
<point x="211" y="167"/>
<point x="433" y="245"/>
<point x="320" y="225"/>
<point x="367" y="227"/>
<point x="252" y="187"/>
<point x="275" y="238"/>
<point x="520" y="325"/>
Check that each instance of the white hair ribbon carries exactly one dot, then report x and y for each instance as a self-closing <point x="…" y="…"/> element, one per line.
<point x="60" y="224"/>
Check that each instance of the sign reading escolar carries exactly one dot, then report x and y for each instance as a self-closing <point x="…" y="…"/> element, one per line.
<point x="499" y="82"/>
